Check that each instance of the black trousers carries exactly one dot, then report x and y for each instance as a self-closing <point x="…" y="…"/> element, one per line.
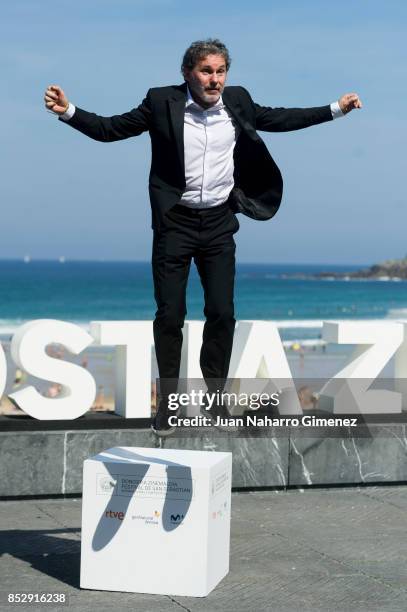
<point x="206" y="236"/>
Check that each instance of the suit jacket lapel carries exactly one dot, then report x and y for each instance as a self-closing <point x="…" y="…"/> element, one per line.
<point x="177" y="110"/>
<point x="176" y="106"/>
<point x="238" y="113"/>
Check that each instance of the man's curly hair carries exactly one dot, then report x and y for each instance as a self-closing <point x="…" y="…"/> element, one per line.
<point x="200" y="49"/>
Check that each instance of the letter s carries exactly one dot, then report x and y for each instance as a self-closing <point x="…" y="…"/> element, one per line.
<point x="78" y="385"/>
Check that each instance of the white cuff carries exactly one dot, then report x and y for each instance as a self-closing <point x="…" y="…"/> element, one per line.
<point x="69" y="113"/>
<point x="336" y="110"/>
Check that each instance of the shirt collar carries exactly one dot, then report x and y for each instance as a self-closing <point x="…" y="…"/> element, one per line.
<point x="191" y="102"/>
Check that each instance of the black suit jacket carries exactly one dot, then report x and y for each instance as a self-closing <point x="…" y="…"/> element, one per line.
<point x="258" y="184"/>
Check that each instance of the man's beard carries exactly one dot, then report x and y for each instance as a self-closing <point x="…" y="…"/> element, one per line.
<point x="203" y="93"/>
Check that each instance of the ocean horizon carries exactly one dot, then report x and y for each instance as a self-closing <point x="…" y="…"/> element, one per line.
<point x="84" y="290"/>
<point x="31" y="259"/>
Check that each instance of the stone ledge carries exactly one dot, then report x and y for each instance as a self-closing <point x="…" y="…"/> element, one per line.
<point x="50" y="462"/>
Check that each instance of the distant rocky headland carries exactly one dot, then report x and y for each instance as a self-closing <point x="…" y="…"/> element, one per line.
<point x="391" y="269"/>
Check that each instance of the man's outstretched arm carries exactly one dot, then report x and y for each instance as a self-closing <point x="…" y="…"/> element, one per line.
<point x="286" y="119"/>
<point x="103" y="129"/>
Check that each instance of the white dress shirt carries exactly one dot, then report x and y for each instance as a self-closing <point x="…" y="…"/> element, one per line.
<point x="209" y="140"/>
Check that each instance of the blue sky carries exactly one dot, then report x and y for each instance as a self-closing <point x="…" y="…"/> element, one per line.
<point x="63" y="194"/>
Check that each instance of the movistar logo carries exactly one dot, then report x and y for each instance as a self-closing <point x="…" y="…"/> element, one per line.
<point x="176" y="518"/>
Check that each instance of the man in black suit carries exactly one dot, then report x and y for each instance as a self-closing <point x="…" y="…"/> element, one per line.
<point x="208" y="163"/>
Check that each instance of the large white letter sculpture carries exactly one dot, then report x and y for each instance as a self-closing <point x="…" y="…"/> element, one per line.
<point x="78" y="385"/>
<point x="134" y="352"/>
<point x="259" y="353"/>
<point x="3" y="371"/>
<point x="347" y="391"/>
<point x="400" y="368"/>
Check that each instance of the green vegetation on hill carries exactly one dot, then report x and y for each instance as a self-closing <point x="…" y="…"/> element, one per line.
<point x="391" y="268"/>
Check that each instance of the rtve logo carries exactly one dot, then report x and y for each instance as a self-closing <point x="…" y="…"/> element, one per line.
<point x="114" y="514"/>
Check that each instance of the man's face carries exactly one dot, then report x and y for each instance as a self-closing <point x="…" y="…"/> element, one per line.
<point x="206" y="80"/>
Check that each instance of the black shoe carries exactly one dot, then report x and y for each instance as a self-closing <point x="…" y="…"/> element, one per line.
<point x="219" y="411"/>
<point x="160" y="424"/>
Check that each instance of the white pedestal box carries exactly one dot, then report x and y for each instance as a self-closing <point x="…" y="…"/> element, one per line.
<point x="156" y="521"/>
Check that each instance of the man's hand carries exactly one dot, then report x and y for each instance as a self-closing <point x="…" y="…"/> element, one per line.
<point x="348" y="102"/>
<point x="56" y="100"/>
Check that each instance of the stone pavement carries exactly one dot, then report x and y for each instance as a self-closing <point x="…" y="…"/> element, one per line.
<point x="318" y="549"/>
